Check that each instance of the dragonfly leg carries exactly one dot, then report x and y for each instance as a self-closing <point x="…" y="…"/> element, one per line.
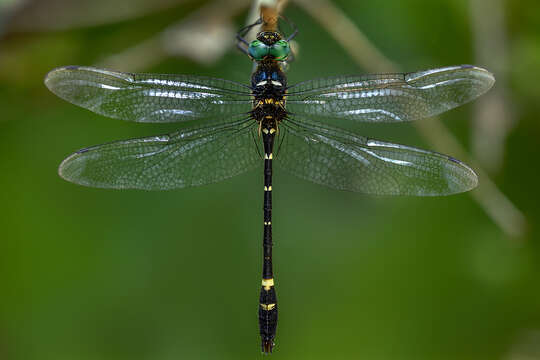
<point x="292" y="25"/>
<point x="243" y="31"/>
<point x="242" y="47"/>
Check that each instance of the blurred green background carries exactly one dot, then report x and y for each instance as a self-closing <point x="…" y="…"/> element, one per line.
<point x="92" y="274"/>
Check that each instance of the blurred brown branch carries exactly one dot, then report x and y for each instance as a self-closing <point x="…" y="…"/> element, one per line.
<point x="501" y="210"/>
<point x="203" y="36"/>
<point x="493" y="116"/>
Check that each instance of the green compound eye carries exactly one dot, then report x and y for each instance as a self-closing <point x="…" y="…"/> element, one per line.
<point x="280" y="50"/>
<point x="258" y="50"/>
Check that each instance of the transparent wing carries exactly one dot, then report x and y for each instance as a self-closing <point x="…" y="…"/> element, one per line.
<point x="389" y="97"/>
<point x="345" y="161"/>
<point x="148" y="97"/>
<point x="190" y="157"/>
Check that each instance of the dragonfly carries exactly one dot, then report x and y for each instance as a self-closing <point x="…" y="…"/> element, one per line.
<point x="246" y="126"/>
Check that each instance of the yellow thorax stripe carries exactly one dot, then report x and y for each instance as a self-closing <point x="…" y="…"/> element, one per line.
<point x="268" y="307"/>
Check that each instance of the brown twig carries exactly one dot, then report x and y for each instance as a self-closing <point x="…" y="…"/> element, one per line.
<point x="270" y="17"/>
<point x="269" y="11"/>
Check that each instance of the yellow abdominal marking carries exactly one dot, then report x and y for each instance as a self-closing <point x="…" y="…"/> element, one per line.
<point x="267" y="283"/>
<point x="268" y="307"/>
<point x="272" y="130"/>
<point x="267" y="223"/>
<point x="265" y="130"/>
<point x="268" y="157"/>
<point x="267" y="188"/>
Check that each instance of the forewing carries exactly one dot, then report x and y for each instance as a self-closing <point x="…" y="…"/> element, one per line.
<point x="190" y="157"/>
<point x="389" y="97"/>
<point x="148" y="97"/>
<point x="344" y="161"/>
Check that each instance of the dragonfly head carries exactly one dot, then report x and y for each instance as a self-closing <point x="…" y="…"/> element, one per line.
<point x="269" y="37"/>
<point x="269" y="45"/>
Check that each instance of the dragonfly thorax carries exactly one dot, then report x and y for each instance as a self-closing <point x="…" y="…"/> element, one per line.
<point x="268" y="90"/>
<point x="267" y="76"/>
